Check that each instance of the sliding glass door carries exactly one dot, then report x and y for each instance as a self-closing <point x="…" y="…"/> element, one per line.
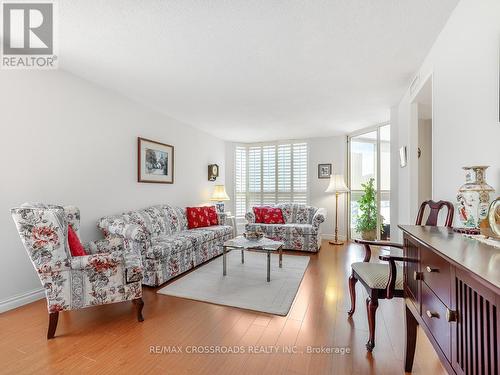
<point x="369" y="160"/>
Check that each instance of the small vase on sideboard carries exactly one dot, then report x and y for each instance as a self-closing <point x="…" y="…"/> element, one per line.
<point x="473" y="198"/>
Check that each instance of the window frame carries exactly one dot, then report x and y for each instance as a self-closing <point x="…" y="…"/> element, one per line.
<point x="261" y="145"/>
<point x="375" y="128"/>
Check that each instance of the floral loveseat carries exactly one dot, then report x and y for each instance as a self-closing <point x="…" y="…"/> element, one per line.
<point x="168" y="247"/>
<point x="301" y="228"/>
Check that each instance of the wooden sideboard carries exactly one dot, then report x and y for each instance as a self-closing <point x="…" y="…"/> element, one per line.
<point x="452" y="290"/>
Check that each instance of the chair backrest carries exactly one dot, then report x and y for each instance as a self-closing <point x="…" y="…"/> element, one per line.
<point x="44" y="232"/>
<point x="435" y="208"/>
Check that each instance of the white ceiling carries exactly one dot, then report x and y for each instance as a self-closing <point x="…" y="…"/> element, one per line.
<point x="254" y="70"/>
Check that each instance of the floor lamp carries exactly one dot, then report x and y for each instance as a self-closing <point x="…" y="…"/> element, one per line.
<point x="337" y="186"/>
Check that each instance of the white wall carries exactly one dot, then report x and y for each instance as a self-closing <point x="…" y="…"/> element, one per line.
<point x="464" y="63"/>
<point x="321" y="151"/>
<point x="66" y="141"/>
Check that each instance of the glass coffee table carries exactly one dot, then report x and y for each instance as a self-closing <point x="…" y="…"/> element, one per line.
<point x="264" y="245"/>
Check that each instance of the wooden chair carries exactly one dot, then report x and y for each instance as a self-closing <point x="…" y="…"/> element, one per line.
<point x="385" y="281"/>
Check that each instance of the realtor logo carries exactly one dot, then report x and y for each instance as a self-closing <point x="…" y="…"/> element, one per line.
<point x="28" y="35"/>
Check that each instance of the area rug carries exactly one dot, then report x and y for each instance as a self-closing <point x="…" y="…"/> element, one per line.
<point x="245" y="285"/>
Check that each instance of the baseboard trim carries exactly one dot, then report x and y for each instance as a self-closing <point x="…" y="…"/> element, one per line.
<point x="21" y="299"/>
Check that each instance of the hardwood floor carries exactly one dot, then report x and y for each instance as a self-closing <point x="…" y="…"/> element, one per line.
<point x="108" y="339"/>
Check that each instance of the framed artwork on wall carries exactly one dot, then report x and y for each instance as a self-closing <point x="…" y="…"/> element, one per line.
<point x="155" y="162"/>
<point x="324" y="170"/>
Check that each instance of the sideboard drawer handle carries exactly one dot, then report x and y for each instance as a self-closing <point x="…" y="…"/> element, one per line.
<point x="432" y="314"/>
<point x="430" y="269"/>
<point x="451" y="315"/>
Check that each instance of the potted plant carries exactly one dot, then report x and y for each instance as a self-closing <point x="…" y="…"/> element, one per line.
<point x="366" y="222"/>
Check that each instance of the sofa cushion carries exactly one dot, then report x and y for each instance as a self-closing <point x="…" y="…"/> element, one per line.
<point x="175" y="217"/>
<point x="155" y="220"/>
<point x="151" y="219"/>
<point x="218" y="230"/>
<point x="297" y="213"/>
<point x="163" y="246"/>
<point x="279" y="230"/>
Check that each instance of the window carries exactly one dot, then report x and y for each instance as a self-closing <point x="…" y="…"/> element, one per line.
<point x="270" y="173"/>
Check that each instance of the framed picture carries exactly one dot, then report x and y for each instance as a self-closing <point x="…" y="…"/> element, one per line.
<point x="324" y="170"/>
<point x="155" y="162"/>
<point x="402" y="157"/>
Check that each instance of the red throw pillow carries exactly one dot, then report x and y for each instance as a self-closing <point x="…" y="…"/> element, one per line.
<point x="75" y="246"/>
<point x="212" y="215"/>
<point x="258" y="212"/>
<point x="198" y="217"/>
<point x="268" y="215"/>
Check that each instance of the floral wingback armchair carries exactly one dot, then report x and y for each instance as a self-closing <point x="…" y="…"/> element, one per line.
<point x="112" y="272"/>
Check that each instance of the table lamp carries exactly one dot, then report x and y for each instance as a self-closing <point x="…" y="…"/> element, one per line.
<point x="219" y="195"/>
<point x="337" y="186"/>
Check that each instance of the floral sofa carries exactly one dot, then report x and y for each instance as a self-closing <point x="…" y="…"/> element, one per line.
<point x="168" y="247"/>
<point x="301" y="228"/>
<point x="111" y="272"/>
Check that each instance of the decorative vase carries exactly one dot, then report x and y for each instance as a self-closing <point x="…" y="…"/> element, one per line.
<point x="473" y="197"/>
<point x="494" y="217"/>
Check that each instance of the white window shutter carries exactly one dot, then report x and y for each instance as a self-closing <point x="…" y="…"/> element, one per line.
<point x="270" y="174"/>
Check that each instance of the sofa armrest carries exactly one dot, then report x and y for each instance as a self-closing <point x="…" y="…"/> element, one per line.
<point x="129" y="260"/>
<point x="318" y="218"/>
<point x="97" y="261"/>
<point x="250" y="217"/>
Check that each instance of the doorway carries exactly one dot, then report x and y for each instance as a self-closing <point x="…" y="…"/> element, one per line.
<point x="423" y="105"/>
<point x="369" y="153"/>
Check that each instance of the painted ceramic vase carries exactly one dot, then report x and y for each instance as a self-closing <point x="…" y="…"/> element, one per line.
<point x="474" y="197"/>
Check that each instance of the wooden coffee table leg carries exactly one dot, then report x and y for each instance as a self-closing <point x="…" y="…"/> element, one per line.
<point x="242" y="256"/>
<point x="281" y="256"/>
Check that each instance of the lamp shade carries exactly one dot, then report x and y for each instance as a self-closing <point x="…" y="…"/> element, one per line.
<point x="219" y="194"/>
<point x="337" y="184"/>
